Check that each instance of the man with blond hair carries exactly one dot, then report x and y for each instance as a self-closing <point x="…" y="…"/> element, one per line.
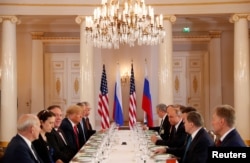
<point x="69" y="124"/>
<point x="223" y="121"/>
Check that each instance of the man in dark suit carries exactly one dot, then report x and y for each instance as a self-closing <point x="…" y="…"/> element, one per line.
<point x="196" y="147"/>
<point x="56" y="138"/>
<point x="177" y="135"/>
<point x="20" y="147"/>
<point x="196" y="150"/>
<point x="223" y="124"/>
<point x="178" y="151"/>
<point x="85" y="123"/>
<point x="164" y="129"/>
<point x="69" y="126"/>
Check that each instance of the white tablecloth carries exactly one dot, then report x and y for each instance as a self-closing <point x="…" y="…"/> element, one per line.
<point x="124" y="148"/>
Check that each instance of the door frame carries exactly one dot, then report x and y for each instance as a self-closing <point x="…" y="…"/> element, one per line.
<point x="206" y="82"/>
<point x="47" y="68"/>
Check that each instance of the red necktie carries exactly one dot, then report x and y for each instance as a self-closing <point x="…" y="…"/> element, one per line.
<point x="218" y="143"/>
<point x="76" y="136"/>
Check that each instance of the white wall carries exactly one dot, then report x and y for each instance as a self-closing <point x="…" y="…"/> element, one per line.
<point x="110" y="57"/>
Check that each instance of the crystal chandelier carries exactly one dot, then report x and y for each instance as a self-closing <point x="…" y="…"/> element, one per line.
<point x="111" y="26"/>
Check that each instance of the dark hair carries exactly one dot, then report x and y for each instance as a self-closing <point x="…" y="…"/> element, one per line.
<point x="188" y="109"/>
<point x="45" y="114"/>
<point x="195" y="118"/>
<point x="51" y="107"/>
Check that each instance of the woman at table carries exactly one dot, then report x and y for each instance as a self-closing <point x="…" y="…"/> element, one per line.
<point x="44" y="150"/>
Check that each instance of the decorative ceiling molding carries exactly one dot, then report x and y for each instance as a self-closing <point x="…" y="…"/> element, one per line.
<point x="197" y="3"/>
<point x="86" y="8"/>
<point x="75" y="36"/>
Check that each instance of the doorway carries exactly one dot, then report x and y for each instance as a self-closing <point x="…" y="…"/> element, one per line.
<point x="189" y="74"/>
<point x="62" y="79"/>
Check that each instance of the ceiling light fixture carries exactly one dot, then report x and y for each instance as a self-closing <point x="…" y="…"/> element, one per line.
<point x="110" y="26"/>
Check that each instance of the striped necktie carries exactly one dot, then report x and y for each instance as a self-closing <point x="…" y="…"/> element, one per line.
<point x="35" y="153"/>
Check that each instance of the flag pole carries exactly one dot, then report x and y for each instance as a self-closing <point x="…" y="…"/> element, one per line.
<point x="146" y="100"/>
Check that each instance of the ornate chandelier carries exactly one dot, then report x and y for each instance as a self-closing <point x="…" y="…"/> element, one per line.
<point x="111" y="26"/>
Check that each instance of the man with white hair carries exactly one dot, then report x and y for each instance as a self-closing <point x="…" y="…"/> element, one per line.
<point x="20" y="147"/>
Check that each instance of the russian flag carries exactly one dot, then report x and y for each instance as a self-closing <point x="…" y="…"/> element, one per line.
<point x="146" y="102"/>
<point x="117" y="110"/>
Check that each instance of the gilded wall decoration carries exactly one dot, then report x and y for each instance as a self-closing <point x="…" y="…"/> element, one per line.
<point x="58" y="86"/>
<point x="195" y="84"/>
<point x="177" y="63"/>
<point x="58" y="65"/>
<point x="76" y="85"/>
<point x="76" y="65"/>
<point x="177" y="84"/>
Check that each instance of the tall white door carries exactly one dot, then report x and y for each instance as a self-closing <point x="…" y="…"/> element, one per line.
<point x="188" y="76"/>
<point x="62" y="77"/>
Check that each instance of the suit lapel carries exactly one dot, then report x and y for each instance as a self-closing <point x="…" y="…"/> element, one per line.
<point x="30" y="152"/>
<point x="195" y="139"/>
<point x="228" y="137"/>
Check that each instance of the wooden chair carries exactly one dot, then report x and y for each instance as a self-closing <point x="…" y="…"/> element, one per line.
<point x="247" y="142"/>
<point x="3" y="146"/>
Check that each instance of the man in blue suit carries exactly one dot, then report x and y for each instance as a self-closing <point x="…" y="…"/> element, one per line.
<point x="195" y="149"/>
<point x="223" y="124"/>
<point x="20" y="148"/>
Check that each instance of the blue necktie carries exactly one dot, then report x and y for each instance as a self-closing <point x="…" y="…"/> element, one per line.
<point x="187" y="146"/>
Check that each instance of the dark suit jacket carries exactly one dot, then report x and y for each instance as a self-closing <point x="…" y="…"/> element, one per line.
<point x="82" y="136"/>
<point x="178" y="151"/>
<point x="177" y="140"/>
<point x="233" y="139"/>
<point x="61" y="150"/>
<point x="18" y="151"/>
<point x="198" y="149"/>
<point x="43" y="149"/>
<point x="164" y="129"/>
<point x="88" y="132"/>
<point x="68" y="131"/>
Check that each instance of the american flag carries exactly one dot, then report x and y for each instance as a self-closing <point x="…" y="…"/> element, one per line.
<point x="132" y="100"/>
<point x="103" y="103"/>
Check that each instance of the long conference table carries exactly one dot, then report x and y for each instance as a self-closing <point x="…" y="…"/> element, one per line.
<point x="116" y="145"/>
